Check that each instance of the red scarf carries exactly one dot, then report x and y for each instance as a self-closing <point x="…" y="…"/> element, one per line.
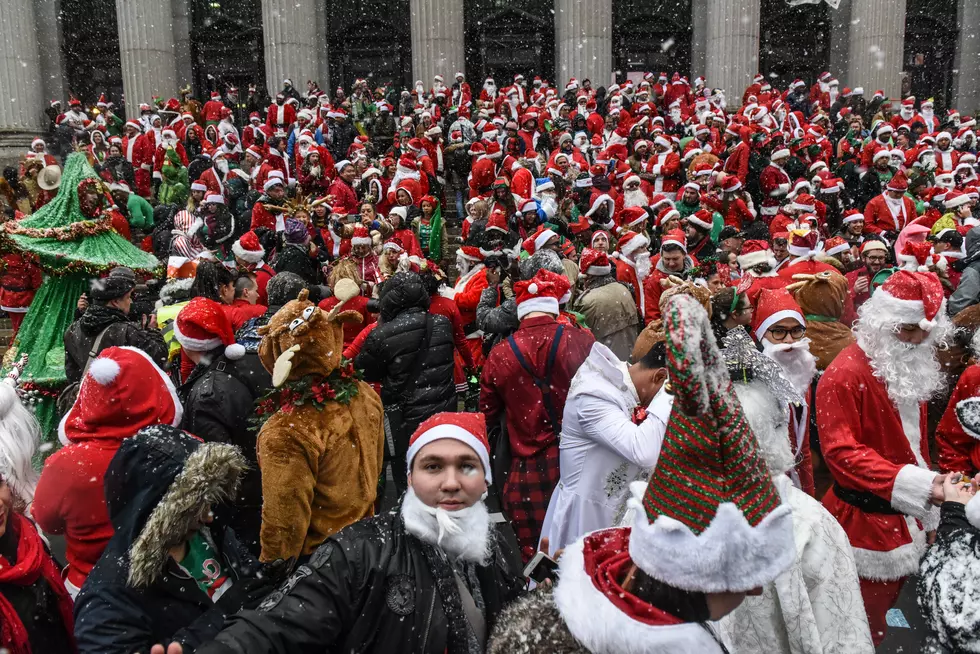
<point x="32" y="562"/>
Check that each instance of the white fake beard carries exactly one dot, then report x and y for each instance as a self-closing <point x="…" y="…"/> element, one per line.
<point x="462" y="266"/>
<point x="799" y="366"/>
<point x="911" y="372"/>
<point x="222" y="166"/>
<point x="462" y="534"/>
<point x="635" y="199"/>
<point x="642" y="263"/>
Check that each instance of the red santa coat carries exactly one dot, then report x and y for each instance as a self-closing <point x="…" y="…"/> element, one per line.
<point x="482" y="176"/>
<point x="466" y="294"/>
<point x="522" y="183"/>
<point x="870" y="447"/>
<point x="335" y="245"/>
<point x="958" y="451"/>
<point x="263" y="273"/>
<point x="775" y="184"/>
<point x="19" y="281"/>
<point x="737" y="162"/>
<point x="858" y="298"/>
<point x="344" y="198"/>
<point x="160" y="156"/>
<point x="947" y="160"/>
<point x="736" y="214"/>
<point x="139" y="153"/>
<point x="280" y="116"/>
<point x="210" y="179"/>
<point x="768" y="281"/>
<point x="878" y="217"/>
<point x="212" y="110"/>
<point x="665" y="166"/>
<point x="626" y="273"/>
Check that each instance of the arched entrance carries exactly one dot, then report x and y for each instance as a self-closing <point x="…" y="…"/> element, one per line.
<point x="651" y="36"/>
<point x="501" y="43"/>
<point x="931" y="31"/>
<point x="226" y="41"/>
<point x="794" y="42"/>
<point x="370" y="40"/>
<point x="90" y="47"/>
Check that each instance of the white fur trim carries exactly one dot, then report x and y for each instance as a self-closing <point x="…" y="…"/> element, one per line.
<point x="604" y="198"/>
<point x="911" y="491"/>
<point x="541" y="239"/>
<point x="195" y="344"/>
<point x="781" y="152"/>
<point x="544" y="304"/>
<point x="672" y="241"/>
<point x="637" y="242"/>
<point x="752" y="259"/>
<point x="361" y="240"/>
<point x="251" y="256"/>
<point x="897" y="563"/>
<point x="456" y="433"/>
<point x="957" y="201"/>
<point x="729" y="556"/>
<point x="973" y="512"/>
<point x="907" y="312"/>
<point x="854" y="217"/>
<point x="838" y="249"/>
<point x="235" y="351"/>
<point x="776" y="317"/>
<point x="693" y="218"/>
<point x="602" y="628"/>
<point x="598" y="271"/>
<point x="631" y="179"/>
<point x="104" y="370"/>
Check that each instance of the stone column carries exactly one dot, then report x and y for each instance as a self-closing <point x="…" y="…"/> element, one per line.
<point x="583" y="41"/>
<point x="437" y="40"/>
<point x="147" y="49"/>
<point x="289" y="31"/>
<point x="877" y="43"/>
<point x="840" y="43"/>
<point x="699" y="38"/>
<point x="732" y="52"/>
<point x="322" y="53"/>
<point x="966" y="66"/>
<point x="184" y="60"/>
<point x="22" y="108"/>
<point x="52" y="78"/>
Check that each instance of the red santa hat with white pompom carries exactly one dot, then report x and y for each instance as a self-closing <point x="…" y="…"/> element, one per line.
<point x="203" y="325"/>
<point x="122" y="391"/>
<point x="248" y="248"/>
<point x="542" y="293"/>
<point x="913" y="298"/>
<point x="467" y="428"/>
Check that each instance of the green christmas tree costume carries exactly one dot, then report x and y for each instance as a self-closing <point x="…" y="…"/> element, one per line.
<point x="71" y="249"/>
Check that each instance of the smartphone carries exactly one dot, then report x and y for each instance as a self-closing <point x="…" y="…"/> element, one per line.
<point x="541" y="567"/>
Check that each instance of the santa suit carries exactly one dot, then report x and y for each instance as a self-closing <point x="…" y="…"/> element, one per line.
<point x="626" y="273"/>
<point x="522" y="183"/>
<point x="665" y="166"/>
<point x="878" y="454"/>
<point x="883" y="214"/>
<point x="369" y="270"/>
<point x="737" y="162"/>
<point x="958" y="451"/>
<point x="138" y="153"/>
<point x="947" y="160"/>
<point x="336" y="246"/>
<point x="18" y="283"/>
<point x="212" y="111"/>
<point x="161" y="156"/>
<point x="482" y="176"/>
<point x="466" y="293"/>
<point x="737" y="214"/>
<point x="250" y="132"/>
<point x="211" y="178"/>
<point x="775" y="185"/>
<point x="280" y="116"/>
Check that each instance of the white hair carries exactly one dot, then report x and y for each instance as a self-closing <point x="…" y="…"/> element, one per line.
<point x="19" y="439"/>
<point x="769" y="420"/>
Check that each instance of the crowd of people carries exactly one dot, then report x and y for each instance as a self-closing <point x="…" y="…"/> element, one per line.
<point x="715" y="358"/>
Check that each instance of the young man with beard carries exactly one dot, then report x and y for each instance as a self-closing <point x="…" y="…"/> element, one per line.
<point x="674" y="262"/>
<point x="429" y="576"/>
<point x="874" y="254"/>
<point x="690" y="200"/>
<point x="872" y="420"/>
<point x="780" y="328"/>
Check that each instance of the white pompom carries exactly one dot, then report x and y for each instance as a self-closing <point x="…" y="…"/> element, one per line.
<point x="235" y="351"/>
<point x="533" y="289"/>
<point x="973" y="512"/>
<point x="104" y="371"/>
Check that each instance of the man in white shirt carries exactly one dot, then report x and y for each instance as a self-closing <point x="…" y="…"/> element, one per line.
<point x="613" y="427"/>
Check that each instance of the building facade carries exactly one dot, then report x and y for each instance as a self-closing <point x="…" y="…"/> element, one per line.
<point x="137" y="49"/>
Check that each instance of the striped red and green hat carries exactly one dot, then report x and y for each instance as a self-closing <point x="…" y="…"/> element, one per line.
<point x="710" y="519"/>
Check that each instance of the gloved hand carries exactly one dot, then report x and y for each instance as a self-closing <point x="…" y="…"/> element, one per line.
<point x="248" y="592"/>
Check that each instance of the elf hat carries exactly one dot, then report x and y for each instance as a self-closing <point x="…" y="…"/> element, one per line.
<point x="755" y="252"/>
<point x="122" y="391"/>
<point x="202" y="325"/>
<point x="540" y="293"/>
<point x="674" y="237"/>
<point x="727" y="531"/>
<point x="594" y="263"/>
<point x="772" y="306"/>
<point x="467" y="428"/>
<point x="248" y="248"/>
<point x="630" y="242"/>
<point x="913" y="298"/>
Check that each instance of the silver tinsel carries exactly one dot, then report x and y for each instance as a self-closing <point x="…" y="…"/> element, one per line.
<point x="746" y="363"/>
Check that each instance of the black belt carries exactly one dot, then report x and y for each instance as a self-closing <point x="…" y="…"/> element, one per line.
<point x="867" y="502"/>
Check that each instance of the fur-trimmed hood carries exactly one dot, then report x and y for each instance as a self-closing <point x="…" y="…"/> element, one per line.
<point x="157" y="486"/>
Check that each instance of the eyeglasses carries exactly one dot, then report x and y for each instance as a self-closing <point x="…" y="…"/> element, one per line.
<point x="780" y="333"/>
<point x="875" y="258"/>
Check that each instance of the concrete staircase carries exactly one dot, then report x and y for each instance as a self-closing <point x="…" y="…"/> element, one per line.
<point x="6" y="334"/>
<point x="453" y="232"/>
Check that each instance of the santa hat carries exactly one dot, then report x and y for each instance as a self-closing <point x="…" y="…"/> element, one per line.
<point x="702" y="218"/>
<point x="852" y="215"/>
<point x="755" y="252"/>
<point x="538" y="240"/>
<point x="272" y="182"/>
<point x="254" y="152"/>
<point x="215" y="198"/>
<point x="632" y="216"/>
<point x="198" y="186"/>
<point x="835" y="245"/>
<point x="729" y="531"/>
<point x="912" y="298"/>
<point x="956" y="199"/>
<point x="772" y="306"/>
<point x="731" y="184"/>
<point x="122" y="391"/>
<point x="804" y="202"/>
<point x="597" y="233"/>
<point x="543" y="292"/>
<point x="497" y="222"/>
<point x="804" y="243"/>
<point x="361" y="236"/>
<point x="248" y="248"/>
<point x="632" y="179"/>
<point x="203" y="325"/>
<point x="467" y="428"/>
<point x="470" y="253"/>
<point x="917" y="256"/>
<point x="781" y="152"/>
<point x="899" y="182"/>
<point x="630" y="242"/>
<point x="674" y="237"/>
<point x="594" y="263"/>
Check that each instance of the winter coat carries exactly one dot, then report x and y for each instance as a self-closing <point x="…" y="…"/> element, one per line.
<point x="610" y="312"/>
<point x="390" y="351"/>
<point x="947" y="582"/>
<point x="495" y="317"/>
<point x="296" y="259"/>
<point x="816" y="604"/>
<point x="958" y="451"/>
<point x="118" y="169"/>
<point x="137" y="596"/>
<point x="370" y="589"/>
<point x="968" y="292"/>
<point x="218" y="402"/>
<point x="120" y="331"/>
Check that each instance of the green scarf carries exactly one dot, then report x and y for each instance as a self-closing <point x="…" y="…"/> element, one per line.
<point x="435" y="234"/>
